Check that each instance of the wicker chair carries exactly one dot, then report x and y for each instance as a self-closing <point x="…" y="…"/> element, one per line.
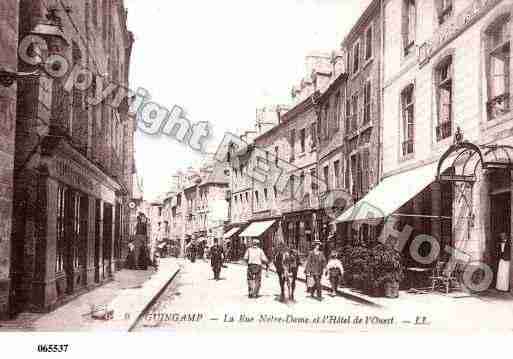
<point x="442" y="280"/>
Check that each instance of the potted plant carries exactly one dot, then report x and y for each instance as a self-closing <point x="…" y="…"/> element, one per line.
<point x="385" y="271"/>
<point x="355" y="262"/>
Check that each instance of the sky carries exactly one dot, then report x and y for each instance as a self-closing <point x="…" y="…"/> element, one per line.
<point x="220" y="60"/>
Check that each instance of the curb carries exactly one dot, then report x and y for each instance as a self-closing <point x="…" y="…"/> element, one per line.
<point x="153" y="300"/>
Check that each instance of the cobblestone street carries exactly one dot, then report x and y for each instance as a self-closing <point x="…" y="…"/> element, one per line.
<point x="194" y="301"/>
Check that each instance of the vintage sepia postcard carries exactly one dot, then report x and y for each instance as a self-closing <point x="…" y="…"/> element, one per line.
<point x="292" y="166"/>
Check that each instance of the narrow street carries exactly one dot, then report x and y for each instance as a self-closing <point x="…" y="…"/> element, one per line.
<point x="194" y="301"/>
<point x="194" y="291"/>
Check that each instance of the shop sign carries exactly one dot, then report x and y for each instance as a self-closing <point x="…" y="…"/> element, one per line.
<point x="457" y="178"/>
<point x="262" y="214"/>
<point x="453" y="28"/>
<point x="74" y="177"/>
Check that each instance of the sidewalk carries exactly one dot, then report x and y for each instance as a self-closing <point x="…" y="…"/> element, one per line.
<point x="490" y="296"/>
<point x="128" y="295"/>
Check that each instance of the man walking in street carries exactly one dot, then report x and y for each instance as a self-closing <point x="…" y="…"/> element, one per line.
<point x="314" y="268"/>
<point x="286" y="262"/>
<point x="192" y="251"/>
<point x="255" y="257"/>
<point x="216" y="258"/>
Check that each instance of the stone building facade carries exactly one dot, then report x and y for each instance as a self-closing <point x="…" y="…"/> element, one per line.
<point x="332" y="187"/>
<point x="362" y="103"/>
<point x="74" y="157"/>
<point x="9" y="15"/>
<point x="447" y="108"/>
<point x="196" y="206"/>
<point x="300" y="199"/>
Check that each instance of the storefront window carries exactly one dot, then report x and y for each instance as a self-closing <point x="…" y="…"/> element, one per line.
<point x="61" y="215"/>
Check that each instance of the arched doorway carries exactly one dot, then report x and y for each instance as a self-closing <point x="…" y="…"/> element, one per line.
<point x="481" y="181"/>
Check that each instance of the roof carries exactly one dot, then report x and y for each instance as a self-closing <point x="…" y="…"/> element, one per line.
<point x="334" y="85"/>
<point x="217" y="176"/>
<point x="366" y="15"/>
<point x="301" y="107"/>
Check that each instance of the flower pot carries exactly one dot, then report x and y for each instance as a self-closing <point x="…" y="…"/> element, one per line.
<point x="391" y="289"/>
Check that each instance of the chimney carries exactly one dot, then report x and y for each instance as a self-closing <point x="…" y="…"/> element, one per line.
<point x="268" y="117"/>
<point x="338" y="63"/>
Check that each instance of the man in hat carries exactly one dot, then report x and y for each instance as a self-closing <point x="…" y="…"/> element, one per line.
<point x="314" y="268"/>
<point x="216" y="258"/>
<point x="141" y="227"/>
<point x="193" y="250"/>
<point x="255" y="257"/>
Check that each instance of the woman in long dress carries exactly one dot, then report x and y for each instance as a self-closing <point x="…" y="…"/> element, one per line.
<point x="504" y="251"/>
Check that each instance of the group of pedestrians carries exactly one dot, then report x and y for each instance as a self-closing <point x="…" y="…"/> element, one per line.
<point x="287" y="262"/>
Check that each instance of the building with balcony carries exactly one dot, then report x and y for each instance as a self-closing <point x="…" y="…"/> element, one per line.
<point x="447" y="128"/>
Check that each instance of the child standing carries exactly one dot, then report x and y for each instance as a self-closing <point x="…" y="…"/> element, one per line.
<point x="334" y="272"/>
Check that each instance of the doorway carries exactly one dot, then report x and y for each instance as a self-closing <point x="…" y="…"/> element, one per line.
<point x="500" y="221"/>
<point x="107" y="239"/>
<point x="97" y="240"/>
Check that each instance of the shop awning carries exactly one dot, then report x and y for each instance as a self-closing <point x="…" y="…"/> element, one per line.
<point x="256" y="229"/>
<point x="391" y="194"/>
<point x="231" y="232"/>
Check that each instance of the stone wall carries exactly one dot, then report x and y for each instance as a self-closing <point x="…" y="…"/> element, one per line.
<point x="8" y="60"/>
